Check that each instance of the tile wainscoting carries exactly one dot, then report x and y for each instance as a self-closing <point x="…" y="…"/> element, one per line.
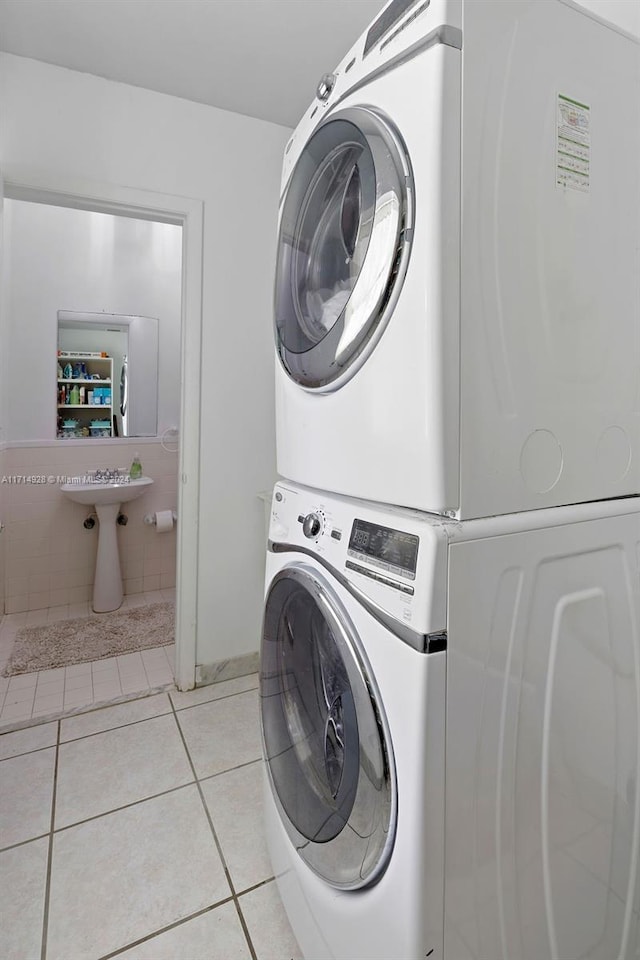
<point x="49" y="557"/>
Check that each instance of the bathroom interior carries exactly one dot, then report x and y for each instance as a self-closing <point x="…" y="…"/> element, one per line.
<point x="74" y="277"/>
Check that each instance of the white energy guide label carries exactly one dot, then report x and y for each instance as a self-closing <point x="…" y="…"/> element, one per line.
<point x="573" y="144"/>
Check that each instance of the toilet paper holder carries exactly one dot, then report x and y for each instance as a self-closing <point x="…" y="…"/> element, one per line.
<point x="151" y="518"/>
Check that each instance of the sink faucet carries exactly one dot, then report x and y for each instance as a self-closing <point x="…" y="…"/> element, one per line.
<point x="107" y="474"/>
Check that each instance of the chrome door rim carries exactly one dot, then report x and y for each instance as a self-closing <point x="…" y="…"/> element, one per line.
<point x="339" y="355"/>
<point x="362" y="859"/>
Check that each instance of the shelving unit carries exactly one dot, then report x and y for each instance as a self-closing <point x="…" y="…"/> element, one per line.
<point x="97" y="376"/>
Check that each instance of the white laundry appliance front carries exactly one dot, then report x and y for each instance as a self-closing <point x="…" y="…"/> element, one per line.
<point x="450" y="717"/>
<point x="457" y="284"/>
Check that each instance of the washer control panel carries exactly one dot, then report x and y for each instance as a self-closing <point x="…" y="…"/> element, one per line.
<point x="397" y="558"/>
<point x="382" y="554"/>
<point x="393" y="551"/>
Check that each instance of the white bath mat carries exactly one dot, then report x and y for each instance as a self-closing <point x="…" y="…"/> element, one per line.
<point x="86" y="639"/>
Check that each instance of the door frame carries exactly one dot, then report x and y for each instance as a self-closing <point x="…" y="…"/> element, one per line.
<point x="22" y="184"/>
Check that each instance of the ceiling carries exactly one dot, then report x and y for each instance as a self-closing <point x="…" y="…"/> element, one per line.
<point x="262" y="58"/>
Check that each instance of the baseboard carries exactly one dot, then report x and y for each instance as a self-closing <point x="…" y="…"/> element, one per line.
<point x="227" y="669"/>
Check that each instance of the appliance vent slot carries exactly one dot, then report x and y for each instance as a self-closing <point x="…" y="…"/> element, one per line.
<point x="416" y="13"/>
<point x="288" y="146"/>
<point x="313" y="112"/>
<point x="349" y="65"/>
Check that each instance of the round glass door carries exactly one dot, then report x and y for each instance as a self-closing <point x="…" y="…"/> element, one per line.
<point x="343" y="247"/>
<point x="328" y="758"/>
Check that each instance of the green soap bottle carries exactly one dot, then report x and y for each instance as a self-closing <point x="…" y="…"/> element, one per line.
<point x="135" y="470"/>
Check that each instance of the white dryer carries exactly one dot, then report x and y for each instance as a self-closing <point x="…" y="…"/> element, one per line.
<point x="451" y="727"/>
<point x="457" y="285"/>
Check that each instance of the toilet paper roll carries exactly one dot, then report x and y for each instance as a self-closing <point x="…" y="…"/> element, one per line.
<point x="164" y="521"/>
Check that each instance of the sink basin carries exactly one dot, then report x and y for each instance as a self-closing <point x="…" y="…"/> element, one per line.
<point x="105" y="492"/>
<point x="106" y="496"/>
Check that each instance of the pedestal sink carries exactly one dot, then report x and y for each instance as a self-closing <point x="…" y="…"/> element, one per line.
<point x="106" y="496"/>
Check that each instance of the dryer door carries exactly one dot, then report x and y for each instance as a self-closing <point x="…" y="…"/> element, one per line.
<point x="329" y="761"/>
<point x="343" y="247"/>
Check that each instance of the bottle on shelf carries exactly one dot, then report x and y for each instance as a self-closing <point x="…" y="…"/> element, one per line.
<point x="84" y="382"/>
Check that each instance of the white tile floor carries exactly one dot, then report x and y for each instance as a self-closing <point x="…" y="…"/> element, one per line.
<point x="50" y="692"/>
<point x="135" y="831"/>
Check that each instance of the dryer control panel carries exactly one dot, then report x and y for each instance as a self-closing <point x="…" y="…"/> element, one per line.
<point x="402" y="28"/>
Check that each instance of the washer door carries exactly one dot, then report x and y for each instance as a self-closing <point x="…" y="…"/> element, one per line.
<point x="329" y="760"/>
<point x="343" y="247"/>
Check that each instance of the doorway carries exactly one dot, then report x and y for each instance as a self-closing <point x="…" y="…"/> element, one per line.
<point x="186" y="213"/>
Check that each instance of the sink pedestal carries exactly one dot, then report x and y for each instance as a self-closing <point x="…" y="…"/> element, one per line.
<point x="106" y="495"/>
<point x="107" y="586"/>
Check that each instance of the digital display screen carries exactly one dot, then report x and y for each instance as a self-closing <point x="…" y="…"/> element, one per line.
<point x="387" y="19"/>
<point x="392" y="547"/>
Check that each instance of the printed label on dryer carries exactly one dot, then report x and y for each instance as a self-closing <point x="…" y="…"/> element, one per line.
<point x="573" y="144"/>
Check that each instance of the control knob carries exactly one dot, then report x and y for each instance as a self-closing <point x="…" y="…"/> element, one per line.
<point x="311" y="525"/>
<point x="325" y="86"/>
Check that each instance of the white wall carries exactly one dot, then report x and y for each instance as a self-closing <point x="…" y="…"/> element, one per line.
<point x="4" y="314"/>
<point x="4" y="504"/>
<point x="65" y="259"/>
<point x="75" y="125"/>
<point x="3" y="413"/>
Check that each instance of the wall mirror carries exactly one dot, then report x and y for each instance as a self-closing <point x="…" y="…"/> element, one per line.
<point x="87" y="282"/>
<point x="107" y="374"/>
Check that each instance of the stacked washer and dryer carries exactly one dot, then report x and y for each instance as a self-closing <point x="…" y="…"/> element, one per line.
<point x="450" y="660"/>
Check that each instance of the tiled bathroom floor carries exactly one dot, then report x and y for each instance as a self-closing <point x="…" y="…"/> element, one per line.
<point x="135" y="831"/>
<point x="48" y="692"/>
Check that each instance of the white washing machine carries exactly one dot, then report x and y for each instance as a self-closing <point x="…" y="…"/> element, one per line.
<point x="457" y="283"/>
<point x="450" y="717"/>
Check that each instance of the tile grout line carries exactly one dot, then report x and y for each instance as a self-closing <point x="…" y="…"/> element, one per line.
<point x="245" y="928"/>
<point x="108" y="706"/>
<point x="120" y="726"/>
<point x="221" y="773"/>
<point x="125" y="806"/>
<point x="226" y="696"/>
<point x="47" y="888"/>
<point x="207" y="813"/>
<point x="161" y="930"/>
<point x="23" y="843"/>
